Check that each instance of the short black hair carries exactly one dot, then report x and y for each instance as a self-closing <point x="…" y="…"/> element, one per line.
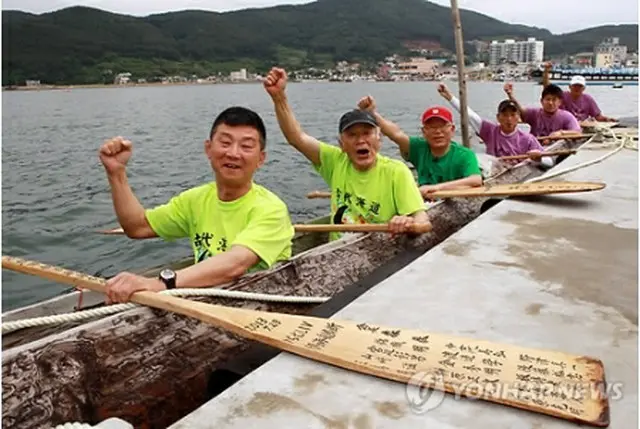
<point x="241" y="116"/>
<point x="552" y="89"/>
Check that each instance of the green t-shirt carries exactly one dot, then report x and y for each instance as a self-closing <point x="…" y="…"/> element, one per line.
<point x="258" y="220"/>
<point x="459" y="162"/>
<point x="373" y="196"/>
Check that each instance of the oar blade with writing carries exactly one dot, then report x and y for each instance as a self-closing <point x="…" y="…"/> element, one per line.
<point x="526" y="378"/>
<point x="417" y="228"/>
<point x="506" y="190"/>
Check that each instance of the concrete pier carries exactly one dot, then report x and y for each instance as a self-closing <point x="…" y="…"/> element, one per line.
<point x="555" y="272"/>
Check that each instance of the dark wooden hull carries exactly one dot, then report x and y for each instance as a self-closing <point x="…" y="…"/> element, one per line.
<point x="151" y="367"/>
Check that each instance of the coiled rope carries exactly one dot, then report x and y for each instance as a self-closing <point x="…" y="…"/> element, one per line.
<point x="117" y="308"/>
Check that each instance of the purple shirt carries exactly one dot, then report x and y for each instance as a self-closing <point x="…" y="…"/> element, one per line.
<point x="500" y="144"/>
<point x="543" y="124"/>
<point x="582" y="108"/>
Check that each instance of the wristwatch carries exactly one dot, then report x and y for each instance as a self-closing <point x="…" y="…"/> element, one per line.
<point x="168" y="277"/>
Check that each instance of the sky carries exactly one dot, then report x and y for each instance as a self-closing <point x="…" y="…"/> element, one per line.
<point x="558" y="16"/>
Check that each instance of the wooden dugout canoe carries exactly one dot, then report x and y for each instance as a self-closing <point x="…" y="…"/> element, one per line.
<point x="151" y="367"/>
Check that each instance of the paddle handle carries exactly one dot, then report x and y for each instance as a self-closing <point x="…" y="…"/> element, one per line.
<point x="114" y="231"/>
<point x="566" y="137"/>
<point x="318" y="194"/>
<point x="96" y="284"/>
<point x="419" y="228"/>
<point x="518" y="189"/>
<point x="416" y="228"/>
<point x="550" y="153"/>
<point x="56" y="274"/>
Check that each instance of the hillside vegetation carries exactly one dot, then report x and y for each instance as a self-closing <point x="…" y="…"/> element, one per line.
<point x="85" y="45"/>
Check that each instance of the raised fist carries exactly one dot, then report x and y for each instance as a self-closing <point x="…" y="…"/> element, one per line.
<point x="367" y="103"/>
<point x="115" y="154"/>
<point x="276" y="81"/>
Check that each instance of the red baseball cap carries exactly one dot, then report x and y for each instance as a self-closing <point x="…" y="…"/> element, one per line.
<point x="437" y="112"/>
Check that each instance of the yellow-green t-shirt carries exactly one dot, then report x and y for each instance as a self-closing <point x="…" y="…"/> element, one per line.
<point x="258" y="220"/>
<point x="373" y="196"/>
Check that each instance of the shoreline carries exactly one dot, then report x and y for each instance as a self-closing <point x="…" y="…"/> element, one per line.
<point x="104" y="85"/>
<point x="161" y="84"/>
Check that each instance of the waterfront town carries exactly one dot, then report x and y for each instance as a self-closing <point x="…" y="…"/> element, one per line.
<point x="498" y="60"/>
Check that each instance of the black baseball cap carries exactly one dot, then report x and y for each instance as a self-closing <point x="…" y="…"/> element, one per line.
<point x="507" y="104"/>
<point x="356" y="116"/>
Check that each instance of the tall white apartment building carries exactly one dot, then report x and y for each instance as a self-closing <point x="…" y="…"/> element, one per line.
<point x="520" y="51"/>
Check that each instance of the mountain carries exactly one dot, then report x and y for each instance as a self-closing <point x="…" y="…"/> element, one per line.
<point x="83" y="45"/>
<point x="584" y="40"/>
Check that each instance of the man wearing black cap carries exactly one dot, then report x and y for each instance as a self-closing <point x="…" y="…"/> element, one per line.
<point x="365" y="187"/>
<point x="503" y="138"/>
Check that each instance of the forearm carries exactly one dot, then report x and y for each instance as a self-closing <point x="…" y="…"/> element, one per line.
<point x="393" y="132"/>
<point x="420" y="217"/>
<point x="601" y="118"/>
<point x="471" y="181"/>
<point x="474" y="119"/>
<point x="221" y="268"/>
<point x="292" y="130"/>
<point x="545" y="78"/>
<point x="129" y="211"/>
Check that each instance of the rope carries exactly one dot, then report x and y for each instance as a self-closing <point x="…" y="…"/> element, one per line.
<point x="117" y="308"/>
<point x="74" y="425"/>
<point x="626" y="141"/>
<point x="110" y="423"/>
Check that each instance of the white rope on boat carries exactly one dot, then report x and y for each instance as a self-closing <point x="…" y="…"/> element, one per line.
<point x="110" y="423"/>
<point x="74" y="425"/>
<point x="117" y="308"/>
<point x="626" y="141"/>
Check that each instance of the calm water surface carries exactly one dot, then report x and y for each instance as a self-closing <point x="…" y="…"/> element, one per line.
<point x="55" y="193"/>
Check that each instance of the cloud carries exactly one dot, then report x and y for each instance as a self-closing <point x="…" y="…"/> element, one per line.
<point x="556" y="16"/>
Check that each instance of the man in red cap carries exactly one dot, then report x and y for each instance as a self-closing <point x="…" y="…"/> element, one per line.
<point x="440" y="162"/>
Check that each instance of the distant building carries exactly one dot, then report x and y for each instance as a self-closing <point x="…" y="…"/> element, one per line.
<point x="583" y="59"/>
<point x="32" y="83"/>
<point x="479" y="45"/>
<point x="417" y="66"/>
<point x="521" y="51"/>
<point x="384" y="71"/>
<point x="122" y="78"/>
<point x="238" y="75"/>
<point x="610" y="53"/>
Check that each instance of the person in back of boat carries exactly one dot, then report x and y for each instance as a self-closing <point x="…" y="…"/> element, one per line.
<point x="502" y="138"/>
<point x="234" y="224"/>
<point x="441" y="163"/>
<point x="582" y="106"/>
<point x="548" y="120"/>
<point x="366" y="187"/>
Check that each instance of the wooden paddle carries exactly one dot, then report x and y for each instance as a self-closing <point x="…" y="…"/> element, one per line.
<point x="550" y="153"/>
<point x="505" y="190"/>
<point x="565" y="137"/>
<point x="418" y="228"/>
<point x="542" y="381"/>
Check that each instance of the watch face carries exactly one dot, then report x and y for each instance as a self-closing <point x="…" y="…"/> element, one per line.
<point x="167" y="274"/>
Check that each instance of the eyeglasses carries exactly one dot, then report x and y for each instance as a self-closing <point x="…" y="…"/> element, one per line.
<point x="432" y="128"/>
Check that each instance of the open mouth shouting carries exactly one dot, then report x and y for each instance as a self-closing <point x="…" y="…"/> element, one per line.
<point x="363" y="152"/>
<point x="231" y="166"/>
